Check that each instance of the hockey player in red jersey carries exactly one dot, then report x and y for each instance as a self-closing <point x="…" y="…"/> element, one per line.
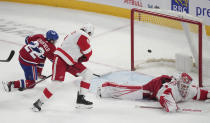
<point x="32" y="57"/>
<point x="74" y="50"/>
<point x="166" y="89"/>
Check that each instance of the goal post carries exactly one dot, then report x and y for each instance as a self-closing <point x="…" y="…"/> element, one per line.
<point x="159" y="17"/>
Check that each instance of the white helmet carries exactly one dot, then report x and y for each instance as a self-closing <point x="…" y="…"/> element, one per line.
<point x="88" y="28"/>
<point x="183" y="82"/>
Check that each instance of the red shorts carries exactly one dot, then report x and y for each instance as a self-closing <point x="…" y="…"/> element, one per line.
<point x="60" y="67"/>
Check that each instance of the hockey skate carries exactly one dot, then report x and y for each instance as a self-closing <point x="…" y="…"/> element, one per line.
<point x="8" y="86"/>
<point x="82" y="103"/>
<point x="37" y="106"/>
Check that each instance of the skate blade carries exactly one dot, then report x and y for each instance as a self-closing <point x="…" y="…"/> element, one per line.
<point x="5" y="86"/>
<point x="82" y="106"/>
<point x="35" y="109"/>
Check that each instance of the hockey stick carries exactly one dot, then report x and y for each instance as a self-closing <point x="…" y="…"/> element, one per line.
<point x="96" y="75"/>
<point x="22" y="89"/>
<point x="10" y="57"/>
<point x="182" y="110"/>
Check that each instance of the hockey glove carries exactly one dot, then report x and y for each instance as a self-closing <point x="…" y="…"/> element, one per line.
<point x="83" y="58"/>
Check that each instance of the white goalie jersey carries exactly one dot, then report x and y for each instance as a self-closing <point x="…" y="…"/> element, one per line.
<point x="168" y="95"/>
<point x="172" y="89"/>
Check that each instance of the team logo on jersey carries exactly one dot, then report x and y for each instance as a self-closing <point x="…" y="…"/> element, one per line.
<point x="180" y="5"/>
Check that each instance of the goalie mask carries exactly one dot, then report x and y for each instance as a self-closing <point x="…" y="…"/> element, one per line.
<point x="183" y="82"/>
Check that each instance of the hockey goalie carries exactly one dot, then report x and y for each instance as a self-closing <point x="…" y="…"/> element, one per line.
<point x="168" y="90"/>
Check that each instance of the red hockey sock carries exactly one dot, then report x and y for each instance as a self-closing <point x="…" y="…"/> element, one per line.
<point x="85" y="85"/>
<point x="47" y="93"/>
<point x="17" y="84"/>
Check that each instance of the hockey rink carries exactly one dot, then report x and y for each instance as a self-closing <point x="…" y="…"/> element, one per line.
<point x="111" y="53"/>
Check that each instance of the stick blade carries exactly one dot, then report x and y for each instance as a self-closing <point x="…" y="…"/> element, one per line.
<point x="12" y="53"/>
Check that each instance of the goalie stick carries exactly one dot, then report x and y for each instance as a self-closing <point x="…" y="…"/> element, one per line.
<point x="182" y="110"/>
<point x="97" y="75"/>
<point x="10" y="57"/>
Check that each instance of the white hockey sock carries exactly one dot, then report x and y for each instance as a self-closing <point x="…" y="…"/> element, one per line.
<point x="84" y="87"/>
<point x="50" y="90"/>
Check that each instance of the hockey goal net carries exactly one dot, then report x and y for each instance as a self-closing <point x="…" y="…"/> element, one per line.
<point x="167" y="42"/>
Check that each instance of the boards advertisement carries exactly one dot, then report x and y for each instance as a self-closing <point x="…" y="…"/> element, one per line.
<point x="199" y="8"/>
<point x="121" y="8"/>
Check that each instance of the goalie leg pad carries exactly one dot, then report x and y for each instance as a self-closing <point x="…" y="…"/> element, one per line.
<point x="112" y="90"/>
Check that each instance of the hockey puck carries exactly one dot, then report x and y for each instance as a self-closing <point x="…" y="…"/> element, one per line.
<point x="149" y="51"/>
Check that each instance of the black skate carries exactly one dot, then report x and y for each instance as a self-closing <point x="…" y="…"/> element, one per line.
<point x="37" y="105"/>
<point x="8" y="86"/>
<point x="82" y="103"/>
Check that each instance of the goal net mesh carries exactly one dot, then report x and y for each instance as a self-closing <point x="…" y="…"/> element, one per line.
<point x="160" y="37"/>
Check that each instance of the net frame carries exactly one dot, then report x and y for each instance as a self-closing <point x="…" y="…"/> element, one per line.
<point x="177" y="18"/>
